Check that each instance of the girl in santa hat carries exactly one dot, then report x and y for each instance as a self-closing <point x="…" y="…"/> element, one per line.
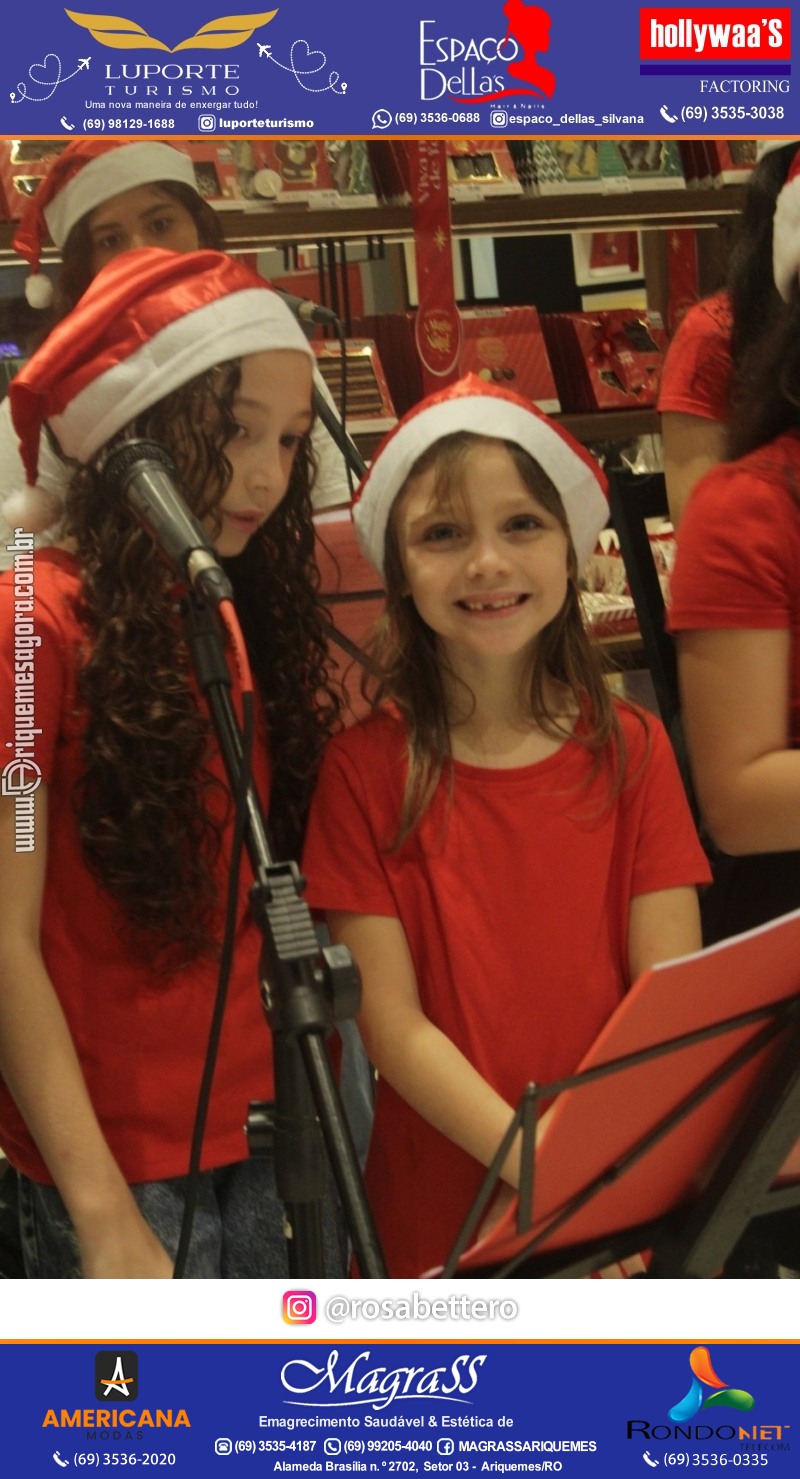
<point x="735" y="610"/>
<point x="111" y="904"/>
<point x="503" y="846"/>
<point x="102" y="197"/>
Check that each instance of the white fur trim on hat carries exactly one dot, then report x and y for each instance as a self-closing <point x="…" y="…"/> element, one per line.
<point x="109" y="175"/>
<point x="786" y="238"/>
<point x="241" y="323"/>
<point x="580" y="487"/>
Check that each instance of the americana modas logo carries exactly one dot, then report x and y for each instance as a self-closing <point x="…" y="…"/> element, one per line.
<point x="127" y="35"/>
<point x="116" y="1376"/>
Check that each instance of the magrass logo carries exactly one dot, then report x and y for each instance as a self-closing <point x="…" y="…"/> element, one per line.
<point x="698" y="1398"/>
<point x="116" y="1376"/>
<point x="126" y="35"/>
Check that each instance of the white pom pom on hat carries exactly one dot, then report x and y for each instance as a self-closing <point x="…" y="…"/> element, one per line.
<point x="786" y="233"/>
<point x="488" y="410"/>
<point x="85" y="175"/>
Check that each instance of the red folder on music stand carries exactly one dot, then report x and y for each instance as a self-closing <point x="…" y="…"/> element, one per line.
<point x="677" y="1132"/>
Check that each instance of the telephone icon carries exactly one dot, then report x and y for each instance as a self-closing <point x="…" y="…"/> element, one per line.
<point x="653" y="1462"/>
<point x="70" y="127"/>
<point x="665" y="113"/>
<point x="59" y="1460"/>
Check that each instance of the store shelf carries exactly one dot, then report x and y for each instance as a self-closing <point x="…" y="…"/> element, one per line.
<point x="246" y="231"/>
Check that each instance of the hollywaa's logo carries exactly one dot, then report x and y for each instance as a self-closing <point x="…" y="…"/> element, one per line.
<point x="527" y="35"/>
<point x="125" y="35"/>
<point x="697" y="1397"/>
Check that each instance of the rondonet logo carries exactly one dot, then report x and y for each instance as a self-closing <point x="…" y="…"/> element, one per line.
<point x="719" y="34"/>
<point x="126" y="35"/>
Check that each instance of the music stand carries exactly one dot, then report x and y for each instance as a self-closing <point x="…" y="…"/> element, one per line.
<point x="694" y="1117"/>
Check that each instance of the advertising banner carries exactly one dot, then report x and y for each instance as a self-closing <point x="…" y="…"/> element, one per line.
<point x="471" y="67"/>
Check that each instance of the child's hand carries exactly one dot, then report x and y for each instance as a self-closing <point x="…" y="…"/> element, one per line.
<point x="130" y="1251"/>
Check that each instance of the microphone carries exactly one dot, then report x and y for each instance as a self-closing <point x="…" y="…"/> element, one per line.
<point x="143" y="472"/>
<point x="307" y="311"/>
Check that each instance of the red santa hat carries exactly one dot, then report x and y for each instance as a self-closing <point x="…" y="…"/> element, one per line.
<point x="85" y="175"/>
<point x="149" y="322"/>
<point x="786" y="232"/>
<point x="487" y="410"/>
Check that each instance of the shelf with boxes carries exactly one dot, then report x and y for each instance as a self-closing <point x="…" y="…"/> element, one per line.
<point x="247" y="230"/>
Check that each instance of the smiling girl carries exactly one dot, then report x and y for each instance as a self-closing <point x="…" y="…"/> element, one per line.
<point x="503" y="847"/>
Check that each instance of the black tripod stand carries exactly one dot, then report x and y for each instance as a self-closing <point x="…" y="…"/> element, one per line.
<point x="303" y="988"/>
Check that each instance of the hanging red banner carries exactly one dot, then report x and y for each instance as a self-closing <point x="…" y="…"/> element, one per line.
<point x="437" y="327"/>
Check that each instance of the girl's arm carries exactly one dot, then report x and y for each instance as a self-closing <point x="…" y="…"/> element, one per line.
<point x="40" y="1067"/>
<point x="662" y="926"/>
<point x="735" y="688"/>
<point x="692" y="445"/>
<point x="410" y="1053"/>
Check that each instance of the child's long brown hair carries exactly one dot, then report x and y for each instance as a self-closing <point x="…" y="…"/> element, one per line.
<point x="410" y="660"/>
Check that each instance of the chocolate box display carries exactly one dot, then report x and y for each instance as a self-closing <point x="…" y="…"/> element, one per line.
<point x="641" y="164"/>
<point x="605" y="361"/>
<point x="313" y="172"/>
<point x="507" y="346"/>
<point x="567" y="166"/>
<point x="369" y="404"/>
<point x="480" y="168"/>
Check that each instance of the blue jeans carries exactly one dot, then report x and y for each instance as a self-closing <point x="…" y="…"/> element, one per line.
<point x="237" y="1231"/>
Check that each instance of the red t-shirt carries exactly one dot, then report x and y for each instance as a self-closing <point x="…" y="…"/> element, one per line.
<point x="738" y="557"/>
<point x="515" y="902"/>
<point x="141" y="1038"/>
<point x="696" y="376"/>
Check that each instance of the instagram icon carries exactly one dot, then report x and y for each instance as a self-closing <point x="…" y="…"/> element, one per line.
<point x="300" y="1307"/>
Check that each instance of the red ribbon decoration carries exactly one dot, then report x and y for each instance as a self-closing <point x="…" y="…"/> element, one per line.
<point x="437" y="329"/>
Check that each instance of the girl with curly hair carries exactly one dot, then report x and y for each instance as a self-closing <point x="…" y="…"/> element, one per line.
<point x="102" y="197"/>
<point x="502" y="846"/>
<point x="111" y="907"/>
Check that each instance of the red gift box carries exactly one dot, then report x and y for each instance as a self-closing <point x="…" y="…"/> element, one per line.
<point x="507" y="346"/>
<point x="605" y="361"/>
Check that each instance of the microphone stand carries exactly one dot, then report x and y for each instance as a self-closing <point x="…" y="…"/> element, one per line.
<point x="335" y="429"/>
<point x="300" y="984"/>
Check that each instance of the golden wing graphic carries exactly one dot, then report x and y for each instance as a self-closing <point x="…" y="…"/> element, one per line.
<point x="238" y="28"/>
<point x="116" y="31"/>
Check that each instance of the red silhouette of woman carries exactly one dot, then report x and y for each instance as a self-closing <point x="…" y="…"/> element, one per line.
<point x="530" y="27"/>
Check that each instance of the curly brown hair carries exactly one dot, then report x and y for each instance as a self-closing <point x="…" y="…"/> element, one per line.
<point x="150" y="813"/>
<point x="406" y="650"/>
